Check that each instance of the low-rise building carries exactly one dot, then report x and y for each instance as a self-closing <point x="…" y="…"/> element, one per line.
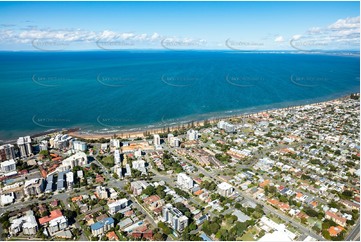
<point x="34" y="186"/>
<point x="138" y="186"/>
<point x="102" y="226"/>
<point x="8" y="166"/>
<point x="335" y="218"/>
<point x="117" y="206"/>
<point x="225" y="189"/>
<point x="26" y="224"/>
<point x="6" y="199"/>
<point x="79" y="145"/>
<point x="184" y="181"/>
<point x="102" y="192"/>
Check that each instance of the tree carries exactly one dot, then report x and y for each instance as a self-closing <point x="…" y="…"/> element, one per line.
<point x="272" y="189"/>
<point x="214" y="227"/>
<point x="150" y="190"/>
<point x="347" y="194"/>
<point x="118" y="216"/>
<point x="266" y="191"/>
<point x="159" y="237"/>
<point x="166" y="230"/>
<point x="310" y="212"/>
<point x="181" y="207"/>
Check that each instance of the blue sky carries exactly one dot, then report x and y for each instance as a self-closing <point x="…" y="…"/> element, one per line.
<point x="179" y="25"/>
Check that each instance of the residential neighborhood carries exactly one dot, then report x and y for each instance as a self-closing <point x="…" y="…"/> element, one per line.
<point x="290" y="174"/>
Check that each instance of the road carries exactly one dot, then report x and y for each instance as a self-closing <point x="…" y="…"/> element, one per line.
<point x="354" y="235"/>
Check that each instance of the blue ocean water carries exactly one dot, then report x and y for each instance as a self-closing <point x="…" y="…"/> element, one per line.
<point x="110" y="91"/>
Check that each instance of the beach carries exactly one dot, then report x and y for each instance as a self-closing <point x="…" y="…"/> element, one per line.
<point x="172" y="128"/>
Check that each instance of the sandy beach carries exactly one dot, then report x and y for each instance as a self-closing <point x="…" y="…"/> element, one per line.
<point x="141" y="133"/>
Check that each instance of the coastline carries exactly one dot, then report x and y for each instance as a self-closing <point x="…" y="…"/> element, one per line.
<point x="140" y="133"/>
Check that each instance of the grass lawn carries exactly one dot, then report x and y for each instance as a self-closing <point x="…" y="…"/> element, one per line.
<point x="247" y="237"/>
<point x="292" y="229"/>
<point x="276" y="219"/>
<point x="120" y="236"/>
<point x="311" y="221"/>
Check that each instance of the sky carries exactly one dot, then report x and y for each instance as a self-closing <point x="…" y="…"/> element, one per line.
<point x="56" y="26"/>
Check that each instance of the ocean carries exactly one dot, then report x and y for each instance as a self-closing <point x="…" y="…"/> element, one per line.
<point x="109" y="91"/>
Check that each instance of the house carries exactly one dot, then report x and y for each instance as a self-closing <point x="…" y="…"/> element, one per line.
<point x="264" y="183"/>
<point x="241" y="217"/>
<point x="350" y="205"/>
<point x="335" y="231"/>
<point x="58" y="224"/>
<point x="99" y="178"/>
<point x="154" y="202"/>
<point x="125" y="223"/>
<point x="53" y="215"/>
<point x="335" y="218"/>
<point x="55" y="221"/>
<point x="112" y="236"/>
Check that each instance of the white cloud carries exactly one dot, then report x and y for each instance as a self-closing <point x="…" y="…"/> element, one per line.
<point x="314" y="30"/>
<point x="296" y="37"/>
<point x="348" y="23"/>
<point x="279" y="39"/>
<point x="342" y="34"/>
<point x="155" y="36"/>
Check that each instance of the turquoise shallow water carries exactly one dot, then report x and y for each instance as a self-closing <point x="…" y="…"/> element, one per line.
<point x="109" y="91"/>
